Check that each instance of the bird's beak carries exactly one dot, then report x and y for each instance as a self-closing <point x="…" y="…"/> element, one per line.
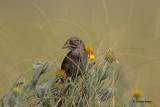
<point x="65" y="46"/>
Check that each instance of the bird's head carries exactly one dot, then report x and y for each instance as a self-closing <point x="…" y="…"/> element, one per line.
<point x="74" y="43"/>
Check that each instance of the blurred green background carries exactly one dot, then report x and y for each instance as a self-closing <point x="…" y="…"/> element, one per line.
<point x="38" y="30"/>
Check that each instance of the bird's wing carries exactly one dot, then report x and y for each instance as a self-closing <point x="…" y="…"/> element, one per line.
<point x="66" y="61"/>
<point x="69" y="64"/>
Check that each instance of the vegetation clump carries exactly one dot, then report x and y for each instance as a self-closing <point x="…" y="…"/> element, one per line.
<point x="95" y="87"/>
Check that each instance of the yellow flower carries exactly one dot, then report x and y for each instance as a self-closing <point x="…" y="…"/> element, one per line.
<point x="89" y="50"/>
<point x="110" y="57"/>
<point x="59" y="85"/>
<point x="137" y="94"/>
<point x="61" y="73"/>
<point x="91" y="56"/>
<point x="16" y="90"/>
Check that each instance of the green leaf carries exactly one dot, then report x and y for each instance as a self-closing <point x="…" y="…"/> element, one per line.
<point x="106" y="74"/>
<point x="108" y="93"/>
<point x="90" y="66"/>
<point x="68" y="104"/>
<point x="39" y="68"/>
<point x="2" y="103"/>
<point x="12" y="98"/>
<point x="67" y="87"/>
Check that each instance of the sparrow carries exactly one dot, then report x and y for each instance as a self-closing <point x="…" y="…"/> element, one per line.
<point x="75" y="61"/>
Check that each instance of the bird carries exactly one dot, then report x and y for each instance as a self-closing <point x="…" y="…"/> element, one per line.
<point x="75" y="61"/>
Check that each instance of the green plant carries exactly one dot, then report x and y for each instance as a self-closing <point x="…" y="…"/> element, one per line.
<point x="95" y="87"/>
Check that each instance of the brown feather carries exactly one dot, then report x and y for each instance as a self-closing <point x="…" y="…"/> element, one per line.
<point x="75" y="61"/>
